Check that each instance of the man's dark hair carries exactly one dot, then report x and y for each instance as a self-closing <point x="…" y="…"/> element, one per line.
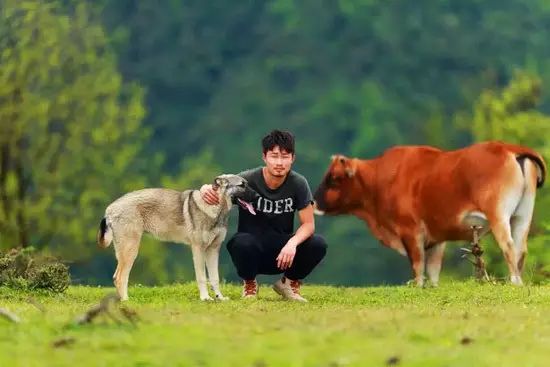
<point x="284" y="139"/>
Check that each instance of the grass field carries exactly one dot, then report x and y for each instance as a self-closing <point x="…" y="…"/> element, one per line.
<point x="457" y="324"/>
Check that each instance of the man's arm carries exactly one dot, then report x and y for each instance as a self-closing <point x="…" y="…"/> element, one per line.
<point x="304" y="231"/>
<point x="307" y="226"/>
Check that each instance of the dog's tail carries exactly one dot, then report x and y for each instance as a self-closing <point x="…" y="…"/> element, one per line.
<point x="104" y="234"/>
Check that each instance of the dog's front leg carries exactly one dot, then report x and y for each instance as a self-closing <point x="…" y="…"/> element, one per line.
<point x="212" y="263"/>
<point x="200" y="272"/>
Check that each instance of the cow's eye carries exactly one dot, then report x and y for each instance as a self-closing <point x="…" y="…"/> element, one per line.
<point x="332" y="181"/>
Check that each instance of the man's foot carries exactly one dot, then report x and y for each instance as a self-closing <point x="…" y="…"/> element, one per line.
<point x="250" y="288"/>
<point x="289" y="289"/>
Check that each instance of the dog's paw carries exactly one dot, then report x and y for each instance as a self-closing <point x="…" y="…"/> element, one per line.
<point x="221" y="297"/>
<point x="206" y="298"/>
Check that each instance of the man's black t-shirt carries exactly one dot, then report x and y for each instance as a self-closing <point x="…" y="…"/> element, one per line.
<point x="274" y="208"/>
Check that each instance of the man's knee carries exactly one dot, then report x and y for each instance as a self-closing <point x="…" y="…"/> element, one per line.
<point x="242" y="242"/>
<point x="317" y="244"/>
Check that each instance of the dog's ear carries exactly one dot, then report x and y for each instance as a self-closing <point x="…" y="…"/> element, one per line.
<point x="216" y="184"/>
<point x="218" y="181"/>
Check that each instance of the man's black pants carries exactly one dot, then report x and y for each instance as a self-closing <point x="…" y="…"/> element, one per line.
<point x="257" y="254"/>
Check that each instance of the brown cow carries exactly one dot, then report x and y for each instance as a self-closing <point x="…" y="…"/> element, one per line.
<point x="414" y="198"/>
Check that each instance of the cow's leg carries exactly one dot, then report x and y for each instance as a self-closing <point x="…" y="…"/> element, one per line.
<point x="520" y="223"/>
<point x="520" y="230"/>
<point x="511" y="219"/>
<point x="521" y="219"/>
<point x="415" y="253"/>
<point x="502" y="232"/>
<point x="434" y="258"/>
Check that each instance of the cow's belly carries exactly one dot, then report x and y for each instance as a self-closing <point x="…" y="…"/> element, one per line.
<point x="456" y="228"/>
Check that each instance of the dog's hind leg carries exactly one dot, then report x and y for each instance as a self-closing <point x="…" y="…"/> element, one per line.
<point x="126" y="253"/>
<point x="200" y="272"/>
<point x="117" y="270"/>
<point x="212" y="263"/>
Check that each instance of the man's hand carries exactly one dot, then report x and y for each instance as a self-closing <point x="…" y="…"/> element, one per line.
<point x="306" y="229"/>
<point x="286" y="256"/>
<point x="209" y="195"/>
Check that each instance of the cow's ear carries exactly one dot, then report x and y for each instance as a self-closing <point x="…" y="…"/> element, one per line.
<point x="350" y="168"/>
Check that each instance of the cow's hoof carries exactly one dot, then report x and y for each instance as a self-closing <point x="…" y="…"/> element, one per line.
<point x="516" y="280"/>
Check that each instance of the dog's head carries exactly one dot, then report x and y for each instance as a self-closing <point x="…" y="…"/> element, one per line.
<point x="237" y="189"/>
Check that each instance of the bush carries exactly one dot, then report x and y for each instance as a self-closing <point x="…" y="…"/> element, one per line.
<point x="23" y="268"/>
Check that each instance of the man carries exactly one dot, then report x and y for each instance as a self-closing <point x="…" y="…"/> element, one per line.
<point x="266" y="243"/>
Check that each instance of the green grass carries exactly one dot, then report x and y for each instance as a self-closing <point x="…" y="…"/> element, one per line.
<point x="507" y="326"/>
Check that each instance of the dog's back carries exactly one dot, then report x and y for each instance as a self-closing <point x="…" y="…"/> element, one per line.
<point x="168" y="215"/>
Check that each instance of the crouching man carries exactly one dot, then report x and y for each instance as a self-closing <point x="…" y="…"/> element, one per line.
<point x="266" y="243"/>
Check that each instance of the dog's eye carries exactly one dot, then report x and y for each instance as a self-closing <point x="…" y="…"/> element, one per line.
<point x="242" y="184"/>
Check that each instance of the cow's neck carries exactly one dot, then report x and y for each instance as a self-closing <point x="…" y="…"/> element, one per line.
<point x="368" y="210"/>
<point x="366" y="175"/>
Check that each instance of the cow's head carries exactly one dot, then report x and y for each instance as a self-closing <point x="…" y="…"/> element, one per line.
<point x="340" y="190"/>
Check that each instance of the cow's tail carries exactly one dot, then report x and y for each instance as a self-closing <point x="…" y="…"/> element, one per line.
<point x="523" y="153"/>
<point x="104" y="234"/>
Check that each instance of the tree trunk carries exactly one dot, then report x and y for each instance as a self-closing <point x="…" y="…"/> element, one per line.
<point x="18" y="163"/>
<point x="21" y="194"/>
<point x="4" y="167"/>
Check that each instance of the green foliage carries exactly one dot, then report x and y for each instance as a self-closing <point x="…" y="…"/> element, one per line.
<point x="25" y="269"/>
<point x="194" y="171"/>
<point x="354" y="76"/>
<point x="457" y="324"/>
<point x="71" y="128"/>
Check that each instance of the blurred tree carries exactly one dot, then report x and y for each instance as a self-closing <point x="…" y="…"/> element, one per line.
<point x="71" y="129"/>
<point x="182" y="51"/>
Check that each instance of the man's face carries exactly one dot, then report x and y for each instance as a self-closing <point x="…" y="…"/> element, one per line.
<point x="278" y="162"/>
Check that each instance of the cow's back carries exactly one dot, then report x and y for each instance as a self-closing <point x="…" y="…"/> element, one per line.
<point x="471" y="179"/>
<point x="423" y="187"/>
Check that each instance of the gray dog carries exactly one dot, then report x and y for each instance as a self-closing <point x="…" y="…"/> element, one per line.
<point x="174" y="216"/>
